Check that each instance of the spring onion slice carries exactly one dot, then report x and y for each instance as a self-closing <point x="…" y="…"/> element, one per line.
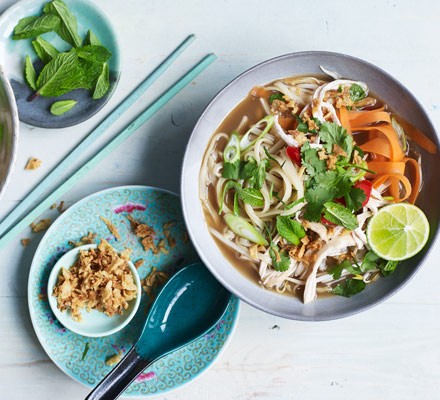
<point x="245" y="142"/>
<point x="242" y="228"/>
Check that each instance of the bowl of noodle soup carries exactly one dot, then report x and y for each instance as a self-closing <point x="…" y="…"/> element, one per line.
<point x="284" y="170"/>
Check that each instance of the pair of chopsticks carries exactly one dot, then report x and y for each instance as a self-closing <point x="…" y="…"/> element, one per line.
<point x="7" y="228"/>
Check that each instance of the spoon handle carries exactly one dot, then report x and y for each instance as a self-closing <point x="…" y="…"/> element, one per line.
<point x="117" y="380"/>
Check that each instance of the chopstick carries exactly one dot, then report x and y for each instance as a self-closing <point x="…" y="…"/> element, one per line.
<point x="45" y="184"/>
<point x="155" y="106"/>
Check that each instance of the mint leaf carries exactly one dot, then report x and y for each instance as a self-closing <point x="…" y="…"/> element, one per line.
<point x="311" y="161"/>
<point x="231" y="170"/>
<point x="59" y="76"/>
<point x="316" y="197"/>
<point x="349" y="287"/>
<point x="94" y="53"/>
<point x="251" y="196"/>
<point x="290" y="229"/>
<point x="280" y="260"/>
<point x="332" y="134"/>
<point x="61" y="107"/>
<point x="92" y="39"/>
<point x="68" y="27"/>
<point x="45" y="51"/>
<point x="276" y="96"/>
<point x="340" y="215"/>
<point x="33" y="26"/>
<point x="103" y="83"/>
<point x="354" y="199"/>
<point x="357" y="93"/>
<point x="30" y="74"/>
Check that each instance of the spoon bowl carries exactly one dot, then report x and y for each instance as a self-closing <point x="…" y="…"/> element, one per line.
<point x="188" y="306"/>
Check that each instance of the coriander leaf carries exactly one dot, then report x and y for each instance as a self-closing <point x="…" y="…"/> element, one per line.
<point x="354" y="198"/>
<point x="61" y="107"/>
<point x="248" y="169"/>
<point x="349" y="287"/>
<point x="103" y="83"/>
<point x="251" y="196"/>
<point x="340" y="215"/>
<point x="231" y="170"/>
<point x="333" y="134"/>
<point x="311" y="161"/>
<point x="370" y="261"/>
<point x="94" y="53"/>
<point x="59" y="76"/>
<point x="30" y="74"/>
<point x="257" y="180"/>
<point x="276" y="96"/>
<point x="336" y="270"/>
<point x="280" y="260"/>
<point x="302" y="125"/>
<point x="33" y="26"/>
<point x="45" y="51"/>
<point x="92" y="39"/>
<point x="316" y="197"/>
<point x="336" y="180"/>
<point x="68" y="27"/>
<point x="290" y="229"/>
<point x="357" y="93"/>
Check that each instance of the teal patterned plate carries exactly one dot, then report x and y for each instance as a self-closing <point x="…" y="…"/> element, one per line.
<point x="84" y="358"/>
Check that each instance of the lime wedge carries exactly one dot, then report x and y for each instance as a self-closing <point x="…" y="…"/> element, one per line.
<point x="398" y="231"/>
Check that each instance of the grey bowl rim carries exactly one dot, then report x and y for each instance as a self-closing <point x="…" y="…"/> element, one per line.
<point x="330" y="316"/>
<point x="15" y="129"/>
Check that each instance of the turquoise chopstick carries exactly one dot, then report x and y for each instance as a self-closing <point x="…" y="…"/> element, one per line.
<point x="155" y="106"/>
<point x="45" y="184"/>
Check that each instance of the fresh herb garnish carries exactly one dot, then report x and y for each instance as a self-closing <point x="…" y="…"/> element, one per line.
<point x="259" y="176"/>
<point x="30" y="27"/>
<point x="311" y="161"/>
<point x="280" y="259"/>
<point x="80" y="67"/>
<point x="251" y="196"/>
<point x="316" y="198"/>
<point x="349" y="287"/>
<point x="354" y="198"/>
<point x="61" y="107"/>
<point x="68" y="26"/>
<point x="59" y="76"/>
<point x="340" y="215"/>
<point x="290" y="229"/>
<point x="294" y="203"/>
<point x="45" y="51"/>
<point x="30" y="74"/>
<point x="231" y="156"/>
<point x="357" y="93"/>
<point x="276" y="96"/>
<point x="103" y="83"/>
<point x="333" y="134"/>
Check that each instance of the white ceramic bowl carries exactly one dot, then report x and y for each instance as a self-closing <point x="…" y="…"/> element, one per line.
<point x="9" y="131"/>
<point x="382" y="85"/>
<point x="94" y="323"/>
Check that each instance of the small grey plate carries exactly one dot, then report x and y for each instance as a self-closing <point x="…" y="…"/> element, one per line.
<point x="13" y="53"/>
<point x="381" y="84"/>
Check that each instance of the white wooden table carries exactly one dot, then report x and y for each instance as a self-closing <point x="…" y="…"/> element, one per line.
<point x="389" y="352"/>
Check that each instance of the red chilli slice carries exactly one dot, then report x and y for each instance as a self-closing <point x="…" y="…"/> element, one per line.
<point x="294" y="154"/>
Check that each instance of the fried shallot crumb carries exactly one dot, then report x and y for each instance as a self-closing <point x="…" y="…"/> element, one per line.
<point x="41" y="225"/>
<point x="100" y="279"/>
<point x="113" y="230"/>
<point x="33" y="163"/>
<point x="25" y="241"/>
